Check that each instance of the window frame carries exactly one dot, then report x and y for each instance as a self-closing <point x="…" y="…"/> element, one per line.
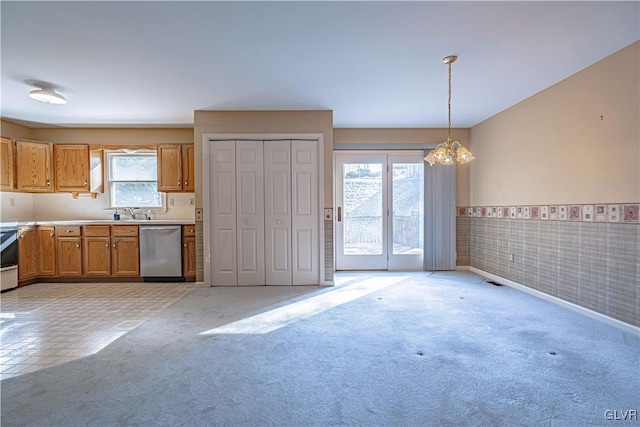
<point x="108" y="155"/>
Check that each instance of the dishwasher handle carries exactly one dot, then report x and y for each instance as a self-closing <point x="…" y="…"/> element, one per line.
<point x="157" y="227"/>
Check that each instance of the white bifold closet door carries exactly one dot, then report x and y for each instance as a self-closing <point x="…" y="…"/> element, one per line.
<point x="264" y="206"/>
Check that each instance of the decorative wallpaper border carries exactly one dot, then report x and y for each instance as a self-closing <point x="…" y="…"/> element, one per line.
<point x="626" y="212"/>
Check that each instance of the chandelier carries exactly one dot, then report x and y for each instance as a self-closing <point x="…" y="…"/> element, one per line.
<point x="446" y="153"/>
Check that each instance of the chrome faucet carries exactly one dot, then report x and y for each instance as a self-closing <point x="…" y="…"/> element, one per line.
<point x="132" y="212"/>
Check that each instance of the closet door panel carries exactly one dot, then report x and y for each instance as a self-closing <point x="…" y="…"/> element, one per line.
<point x="223" y="208"/>
<point x="304" y="170"/>
<point x="277" y="171"/>
<point x="250" y="212"/>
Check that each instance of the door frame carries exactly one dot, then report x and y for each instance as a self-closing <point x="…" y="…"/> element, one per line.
<point x="209" y="137"/>
<point x="387" y="206"/>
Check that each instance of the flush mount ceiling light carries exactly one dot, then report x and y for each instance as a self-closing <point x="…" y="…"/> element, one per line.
<point x="446" y="153"/>
<point x="48" y="96"/>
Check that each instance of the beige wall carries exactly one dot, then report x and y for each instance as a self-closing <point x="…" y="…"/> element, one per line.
<point x="575" y="142"/>
<point x="113" y="136"/>
<point x="12" y="130"/>
<point x="265" y="122"/>
<point x="418" y="136"/>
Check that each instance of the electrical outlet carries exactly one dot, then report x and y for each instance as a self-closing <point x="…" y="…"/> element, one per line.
<point x="12" y="201"/>
<point x="171" y="201"/>
<point x="512" y="257"/>
<point x="198" y="214"/>
<point x="192" y="201"/>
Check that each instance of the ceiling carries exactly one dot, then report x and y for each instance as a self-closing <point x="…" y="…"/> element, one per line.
<point x="375" y="64"/>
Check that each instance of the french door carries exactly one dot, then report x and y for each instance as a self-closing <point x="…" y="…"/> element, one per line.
<point x="379" y="210"/>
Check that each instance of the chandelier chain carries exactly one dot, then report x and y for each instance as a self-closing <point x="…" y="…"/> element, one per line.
<point x="449" y="102"/>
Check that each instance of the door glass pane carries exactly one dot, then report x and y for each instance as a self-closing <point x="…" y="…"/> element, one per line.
<point x="362" y="218"/>
<point x="408" y="208"/>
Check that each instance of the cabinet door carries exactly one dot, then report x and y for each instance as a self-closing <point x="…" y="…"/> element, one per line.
<point x="169" y="167"/>
<point x="33" y="166"/>
<point x="27" y="253"/>
<point x="69" y="254"/>
<point x="72" y="167"/>
<point x="96" y="254"/>
<point x="188" y="182"/>
<point x="6" y="164"/>
<point x="47" y="250"/>
<point x="125" y="256"/>
<point x="189" y="257"/>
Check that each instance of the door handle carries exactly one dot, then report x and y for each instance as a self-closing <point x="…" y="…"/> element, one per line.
<point x="339" y="214"/>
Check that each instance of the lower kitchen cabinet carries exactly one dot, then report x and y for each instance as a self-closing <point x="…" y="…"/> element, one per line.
<point x="125" y="255"/>
<point x="96" y="256"/>
<point x="27" y="253"/>
<point x="189" y="251"/>
<point x="69" y="253"/>
<point x="46" y="250"/>
<point x="69" y="250"/>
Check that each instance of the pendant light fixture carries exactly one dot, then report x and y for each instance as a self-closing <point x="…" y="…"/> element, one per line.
<point x="446" y="153"/>
<point x="48" y="96"/>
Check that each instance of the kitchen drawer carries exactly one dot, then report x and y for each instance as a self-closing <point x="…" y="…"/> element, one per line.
<point x="68" y="230"/>
<point x="124" y="230"/>
<point x="188" y="230"/>
<point x="97" y="230"/>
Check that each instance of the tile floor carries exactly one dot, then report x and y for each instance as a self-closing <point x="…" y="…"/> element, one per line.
<point x="47" y="324"/>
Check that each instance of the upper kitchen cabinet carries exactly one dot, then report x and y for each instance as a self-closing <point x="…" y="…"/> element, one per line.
<point x="72" y="167"/>
<point x="33" y="166"/>
<point x="175" y="168"/>
<point x="188" y="175"/>
<point x="6" y="165"/>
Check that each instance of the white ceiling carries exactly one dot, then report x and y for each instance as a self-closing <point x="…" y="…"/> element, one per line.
<point x="375" y="64"/>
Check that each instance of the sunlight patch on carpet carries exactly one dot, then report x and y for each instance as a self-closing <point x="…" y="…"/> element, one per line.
<point x="282" y="316"/>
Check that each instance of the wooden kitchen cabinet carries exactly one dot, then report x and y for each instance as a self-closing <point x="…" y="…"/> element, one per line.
<point x="125" y="256"/>
<point x="176" y="167"/>
<point x="33" y="166"/>
<point x="7" y="182"/>
<point x="46" y="250"/>
<point x="188" y="175"/>
<point x="71" y="167"/>
<point x="96" y="250"/>
<point x="189" y="250"/>
<point x="69" y="251"/>
<point x="27" y="253"/>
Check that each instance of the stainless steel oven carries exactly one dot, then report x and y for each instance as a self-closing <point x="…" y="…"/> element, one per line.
<point x="8" y="257"/>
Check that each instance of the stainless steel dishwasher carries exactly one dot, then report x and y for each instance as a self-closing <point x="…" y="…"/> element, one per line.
<point x="161" y="251"/>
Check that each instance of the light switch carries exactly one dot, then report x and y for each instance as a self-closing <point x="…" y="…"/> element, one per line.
<point x="328" y="214"/>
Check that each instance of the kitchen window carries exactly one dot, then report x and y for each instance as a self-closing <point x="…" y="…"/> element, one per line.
<point x="132" y="180"/>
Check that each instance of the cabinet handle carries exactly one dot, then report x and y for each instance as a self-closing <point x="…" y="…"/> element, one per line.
<point x="107" y="244"/>
<point x="86" y="183"/>
<point x="68" y="231"/>
<point x="78" y="245"/>
<point x="21" y="236"/>
<point x="48" y="183"/>
<point x="185" y="245"/>
<point x="51" y="234"/>
<point x="178" y="182"/>
<point x="114" y="246"/>
<point x="191" y="231"/>
<point x="186" y="183"/>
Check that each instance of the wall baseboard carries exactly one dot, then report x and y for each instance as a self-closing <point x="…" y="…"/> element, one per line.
<point x="625" y="327"/>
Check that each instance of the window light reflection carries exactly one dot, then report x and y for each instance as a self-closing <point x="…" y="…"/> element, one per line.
<point x="272" y="320"/>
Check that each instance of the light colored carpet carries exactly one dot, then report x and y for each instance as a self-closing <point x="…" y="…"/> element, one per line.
<point x="399" y="349"/>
